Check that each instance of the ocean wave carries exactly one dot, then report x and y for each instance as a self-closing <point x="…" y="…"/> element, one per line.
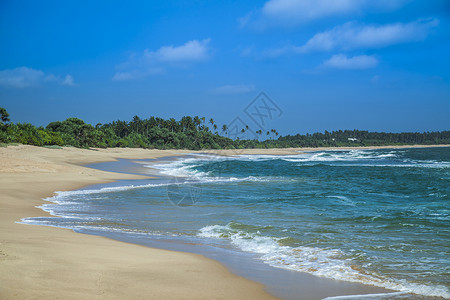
<point x="329" y="263"/>
<point x="343" y="155"/>
<point x="380" y="296"/>
<point x="63" y="196"/>
<point x="53" y="222"/>
<point x="431" y="165"/>
<point x="343" y="200"/>
<point x="357" y="157"/>
<point x="188" y="167"/>
<point x="321" y="156"/>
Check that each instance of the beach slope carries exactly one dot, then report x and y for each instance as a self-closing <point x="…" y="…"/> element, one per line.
<point x="55" y="263"/>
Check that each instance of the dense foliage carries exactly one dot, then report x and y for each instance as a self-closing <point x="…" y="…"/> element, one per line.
<point x="190" y="133"/>
<point x="365" y="138"/>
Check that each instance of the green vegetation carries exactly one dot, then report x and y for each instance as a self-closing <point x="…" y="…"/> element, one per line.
<point x="190" y="133"/>
<point x="347" y="138"/>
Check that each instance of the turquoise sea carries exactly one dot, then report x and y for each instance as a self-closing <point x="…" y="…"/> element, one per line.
<point x="378" y="217"/>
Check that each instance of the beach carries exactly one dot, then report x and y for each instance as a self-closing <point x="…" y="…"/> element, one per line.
<point x="47" y="262"/>
<point x="275" y="149"/>
<point x="51" y="263"/>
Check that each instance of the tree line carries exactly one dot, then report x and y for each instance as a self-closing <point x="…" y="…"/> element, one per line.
<point x="342" y="138"/>
<point x="193" y="133"/>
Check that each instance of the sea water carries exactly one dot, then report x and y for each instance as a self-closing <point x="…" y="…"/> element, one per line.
<point x="378" y="217"/>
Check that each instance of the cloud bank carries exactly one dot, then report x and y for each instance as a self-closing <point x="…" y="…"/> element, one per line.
<point x="295" y="12"/>
<point x="24" y="77"/>
<point x="155" y="62"/>
<point x="341" y="61"/>
<point x="352" y="35"/>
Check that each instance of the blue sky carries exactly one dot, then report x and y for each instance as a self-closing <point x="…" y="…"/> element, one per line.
<point x="378" y="65"/>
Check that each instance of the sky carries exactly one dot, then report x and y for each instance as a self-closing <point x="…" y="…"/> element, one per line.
<point x="294" y="65"/>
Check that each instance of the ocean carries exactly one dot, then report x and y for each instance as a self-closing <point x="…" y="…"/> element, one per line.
<point x="378" y="217"/>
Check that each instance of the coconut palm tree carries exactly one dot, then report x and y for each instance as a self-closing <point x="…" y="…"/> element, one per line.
<point x="225" y="129"/>
<point x="4" y="116"/>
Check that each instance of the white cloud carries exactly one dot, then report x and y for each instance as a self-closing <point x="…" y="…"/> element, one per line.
<point x="353" y="35"/>
<point x="155" y="62"/>
<point x="24" y="77"/>
<point x="189" y="52"/>
<point x="341" y="61"/>
<point x="136" y="71"/>
<point x="123" y="76"/>
<point x="295" y="12"/>
<point x="245" y="20"/>
<point x="233" y="89"/>
<point x="21" y="77"/>
<point x="68" y="80"/>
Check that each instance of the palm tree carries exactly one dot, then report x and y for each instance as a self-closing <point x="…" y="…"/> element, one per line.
<point x="259" y="132"/>
<point x="203" y="122"/>
<point x="187" y="123"/>
<point x="4" y="116"/>
<point x="172" y="124"/>
<point x="122" y="128"/>
<point x="135" y="124"/>
<point x="197" y="122"/>
<point x="273" y="131"/>
<point x="225" y="129"/>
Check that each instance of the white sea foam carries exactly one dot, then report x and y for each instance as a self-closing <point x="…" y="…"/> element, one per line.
<point x="429" y="165"/>
<point x="364" y="158"/>
<point x="79" y="227"/>
<point x="186" y="167"/>
<point x="343" y="200"/>
<point x="179" y="168"/>
<point x="380" y="296"/>
<point x="333" y="156"/>
<point x="330" y="263"/>
<point x="65" y="198"/>
<point x="64" y="195"/>
<point x="321" y="156"/>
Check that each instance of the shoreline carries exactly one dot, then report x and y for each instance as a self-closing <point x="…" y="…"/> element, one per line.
<point x="301" y="283"/>
<point x="48" y="262"/>
<point x="29" y="174"/>
<point x="288" y="151"/>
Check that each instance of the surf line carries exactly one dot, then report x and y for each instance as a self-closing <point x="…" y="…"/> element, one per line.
<point x="367" y="296"/>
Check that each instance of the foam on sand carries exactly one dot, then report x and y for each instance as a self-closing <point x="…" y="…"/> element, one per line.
<point x="329" y="263"/>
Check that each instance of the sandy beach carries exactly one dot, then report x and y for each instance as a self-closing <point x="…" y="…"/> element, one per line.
<point x="38" y="262"/>
<point x="50" y="263"/>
